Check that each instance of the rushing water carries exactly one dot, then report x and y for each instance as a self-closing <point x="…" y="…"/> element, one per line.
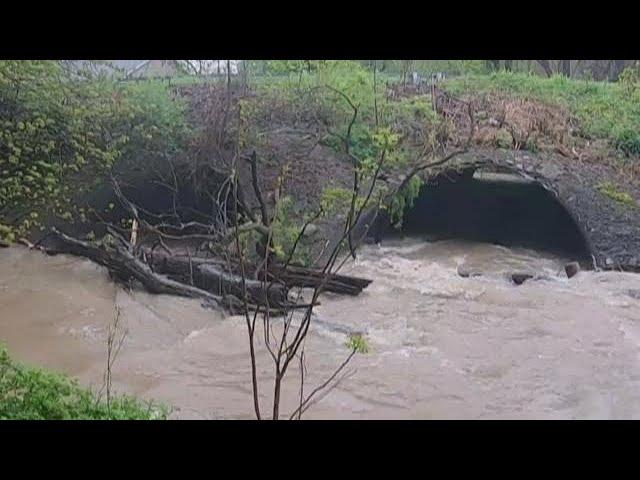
<point x="442" y="346"/>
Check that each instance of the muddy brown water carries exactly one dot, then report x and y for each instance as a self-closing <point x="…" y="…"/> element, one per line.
<point x="442" y="346"/>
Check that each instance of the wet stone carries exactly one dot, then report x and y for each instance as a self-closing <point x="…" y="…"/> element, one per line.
<point x="465" y="272"/>
<point x="633" y="293"/>
<point x="571" y="269"/>
<point x="520" y="277"/>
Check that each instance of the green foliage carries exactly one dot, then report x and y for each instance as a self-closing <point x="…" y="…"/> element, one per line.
<point x="32" y="394"/>
<point x="612" y="191"/>
<point x="403" y="200"/>
<point x="327" y="98"/>
<point x="358" y="343"/>
<point x="158" y="125"/>
<point x="629" y="79"/>
<point x="418" y="107"/>
<point x="627" y="140"/>
<point x="604" y="110"/>
<point x="61" y="133"/>
<point x="415" y="121"/>
<point x="329" y="94"/>
<point x="285" y="230"/>
<point x="335" y="201"/>
<point x="320" y="89"/>
<point x="385" y="139"/>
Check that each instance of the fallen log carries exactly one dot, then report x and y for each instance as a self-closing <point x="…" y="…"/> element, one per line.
<point x="196" y="278"/>
<point x="281" y="280"/>
<point x="296" y="276"/>
<point x="572" y="269"/>
<point x="177" y="264"/>
<point x="208" y="274"/>
<point x="261" y="293"/>
<point x="199" y="277"/>
<point x="123" y="266"/>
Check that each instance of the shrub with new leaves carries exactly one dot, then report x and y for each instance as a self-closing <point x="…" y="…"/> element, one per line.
<point x="28" y="393"/>
<point x="61" y="133"/>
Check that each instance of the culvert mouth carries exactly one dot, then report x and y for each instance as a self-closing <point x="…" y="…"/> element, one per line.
<point x="498" y="208"/>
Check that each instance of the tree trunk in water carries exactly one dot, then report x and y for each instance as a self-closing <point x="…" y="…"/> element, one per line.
<point x="184" y="277"/>
<point x="209" y="275"/>
<point x="295" y="276"/>
<point x="122" y="265"/>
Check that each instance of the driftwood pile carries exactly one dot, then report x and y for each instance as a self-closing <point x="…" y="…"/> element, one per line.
<point x="209" y="279"/>
<point x="224" y="280"/>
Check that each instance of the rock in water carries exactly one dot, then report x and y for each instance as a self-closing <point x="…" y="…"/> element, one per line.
<point x="520" y="278"/>
<point x="634" y="293"/>
<point x="572" y="269"/>
<point x="464" y="272"/>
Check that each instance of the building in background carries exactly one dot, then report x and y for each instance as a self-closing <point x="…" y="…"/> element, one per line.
<point x="211" y="67"/>
<point x="136" y="69"/>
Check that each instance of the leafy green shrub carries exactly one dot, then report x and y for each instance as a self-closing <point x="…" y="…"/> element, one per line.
<point x="630" y="79"/>
<point x="60" y="134"/>
<point x="28" y="393"/>
<point x="401" y="129"/>
<point x="358" y="343"/>
<point x="627" y="140"/>
<point x="286" y="228"/>
<point x="404" y="200"/>
<point x="335" y="201"/>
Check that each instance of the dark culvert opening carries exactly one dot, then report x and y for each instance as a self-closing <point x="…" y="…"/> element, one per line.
<point x="502" y="209"/>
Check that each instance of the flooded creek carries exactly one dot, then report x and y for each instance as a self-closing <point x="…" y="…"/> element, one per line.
<point x="442" y="346"/>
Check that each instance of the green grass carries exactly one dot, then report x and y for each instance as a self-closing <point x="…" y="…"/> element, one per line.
<point x="28" y="393"/>
<point x="604" y="110"/>
<point x="613" y="192"/>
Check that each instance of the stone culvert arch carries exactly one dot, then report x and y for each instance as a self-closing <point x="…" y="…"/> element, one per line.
<point x="611" y="229"/>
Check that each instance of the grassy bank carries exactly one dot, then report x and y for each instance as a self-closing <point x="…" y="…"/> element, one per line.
<point x="28" y="393"/>
<point x="609" y="111"/>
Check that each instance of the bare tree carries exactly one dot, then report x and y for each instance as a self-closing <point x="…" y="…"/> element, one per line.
<point x="615" y="69"/>
<point x="546" y="66"/>
<point x="116" y="335"/>
<point x="276" y="297"/>
<point x="288" y="344"/>
<point x="285" y="337"/>
<point x="405" y="67"/>
<point x="493" y="64"/>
